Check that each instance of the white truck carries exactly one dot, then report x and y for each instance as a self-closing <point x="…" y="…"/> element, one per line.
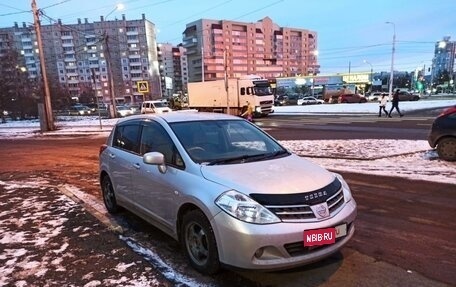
<point x="219" y="95"/>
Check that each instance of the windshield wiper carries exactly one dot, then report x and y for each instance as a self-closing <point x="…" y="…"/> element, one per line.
<point x="248" y="158"/>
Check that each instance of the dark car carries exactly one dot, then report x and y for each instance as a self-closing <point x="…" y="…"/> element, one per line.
<point x="351" y="98"/>
<point x="407" y="96"/>
<point x="443" y="134"/>
<point x="281" y="100"/>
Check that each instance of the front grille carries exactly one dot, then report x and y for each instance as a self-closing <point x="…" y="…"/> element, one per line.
<point x="296" y="207"/>
<point x="297" y="248"/>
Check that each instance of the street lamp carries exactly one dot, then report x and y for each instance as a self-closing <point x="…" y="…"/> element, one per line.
<point x="119" y="7"/>
<point x="392" y="59"/>
<point x="371" y="73"/>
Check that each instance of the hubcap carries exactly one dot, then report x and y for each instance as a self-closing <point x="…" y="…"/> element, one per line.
<point x="197" y="243"/>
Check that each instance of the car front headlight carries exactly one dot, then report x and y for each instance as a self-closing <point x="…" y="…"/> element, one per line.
<point x="244" y="208"/>
<point x="258" y="109"/>
<point x="346" y="189"/>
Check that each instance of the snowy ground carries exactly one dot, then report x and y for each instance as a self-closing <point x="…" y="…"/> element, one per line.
<point x="403" y="158"/>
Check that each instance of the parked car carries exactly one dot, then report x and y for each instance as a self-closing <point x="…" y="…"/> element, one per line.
<point x="226" y="190"/>
<point x="292" y="98"/>
<point x="309" y="101"/>
<point x="281" y="100"/>
<point x="156" y="106"/>
<point x="123" y="111"/>
<point x="135" y="108"/>
<point x="351" y="98"/>
<point x="443" y="134"/>
<point x="407" y="96"/>
<point x="79" y="110"/>
<point x="374" y="97"/>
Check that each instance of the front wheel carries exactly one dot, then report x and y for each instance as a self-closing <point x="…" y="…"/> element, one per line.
<point x="198" y="242"/>
<point x="446" y="149"/>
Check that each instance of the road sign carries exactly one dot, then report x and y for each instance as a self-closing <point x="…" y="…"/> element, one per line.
<point x="143" y="86"/>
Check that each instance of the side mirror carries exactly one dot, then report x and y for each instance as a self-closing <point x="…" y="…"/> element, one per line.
<point x="155" y="158"/>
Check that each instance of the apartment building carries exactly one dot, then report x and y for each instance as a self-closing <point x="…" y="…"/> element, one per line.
<point x="173" y="69"/>
<point x="219" y="47"/>
<point x="109" y="57"/>
<point x="20" y="41"/>
<point x="444" y="59"/>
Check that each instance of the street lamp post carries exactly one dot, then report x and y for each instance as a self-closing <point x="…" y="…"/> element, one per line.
<point x="392" y="59"/>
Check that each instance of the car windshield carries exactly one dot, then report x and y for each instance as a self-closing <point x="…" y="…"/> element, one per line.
<point x="226" y="142"/>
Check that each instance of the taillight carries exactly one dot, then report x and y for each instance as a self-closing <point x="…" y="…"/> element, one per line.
<point x="102" y="148"/>
<point x="448" y="111"/>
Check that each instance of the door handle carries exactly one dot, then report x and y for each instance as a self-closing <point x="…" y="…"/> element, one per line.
<point x="137" y="165"/>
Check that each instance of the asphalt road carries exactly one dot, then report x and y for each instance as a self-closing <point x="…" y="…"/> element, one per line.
<point x="405" y="233"/>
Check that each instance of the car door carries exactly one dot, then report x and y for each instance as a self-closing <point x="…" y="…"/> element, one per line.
<point x="156" y="190"/>
<point x="122" y="154"/>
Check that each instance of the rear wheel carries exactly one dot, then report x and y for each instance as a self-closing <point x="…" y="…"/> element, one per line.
<point x="446" y="149"/>
<point x="109" y="197"/>
<point x="198" y="242"/>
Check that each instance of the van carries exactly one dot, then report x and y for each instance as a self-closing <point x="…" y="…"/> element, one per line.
<point x="157" y="106"/>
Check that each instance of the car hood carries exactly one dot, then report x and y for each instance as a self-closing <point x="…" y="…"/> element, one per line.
<point x="291" y="174"/>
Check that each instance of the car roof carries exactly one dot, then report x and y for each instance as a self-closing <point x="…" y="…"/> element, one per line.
<point x="182" y="116"/>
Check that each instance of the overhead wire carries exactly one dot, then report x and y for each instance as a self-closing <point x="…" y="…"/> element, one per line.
<point x="327" y="54"/>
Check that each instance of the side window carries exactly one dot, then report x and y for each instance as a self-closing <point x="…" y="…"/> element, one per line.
<point x="155" y="138"/>
<point x="126" y="137"/>
<point x="242" y="91"/>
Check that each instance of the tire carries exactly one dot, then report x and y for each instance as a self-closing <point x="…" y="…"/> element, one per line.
<point x="109" y="196"/>
<point x="198" y="243"/>
<point x="446" y="149"/>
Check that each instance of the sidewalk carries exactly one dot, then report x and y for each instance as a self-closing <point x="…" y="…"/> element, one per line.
<point x="49" y="240"/>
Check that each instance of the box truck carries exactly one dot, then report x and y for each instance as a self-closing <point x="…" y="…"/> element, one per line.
<point x="219" y="95"/>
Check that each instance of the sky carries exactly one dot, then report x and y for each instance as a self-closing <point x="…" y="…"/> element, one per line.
<point x="353" y="35"/>
<point x="413" y="159"/>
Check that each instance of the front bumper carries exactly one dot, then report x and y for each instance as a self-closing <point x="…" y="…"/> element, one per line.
<point x="267" y="247"/>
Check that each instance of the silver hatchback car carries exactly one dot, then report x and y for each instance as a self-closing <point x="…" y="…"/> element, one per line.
<point x="226" y="190"/>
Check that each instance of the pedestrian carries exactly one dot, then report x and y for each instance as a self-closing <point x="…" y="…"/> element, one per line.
<point x="382" y="105"/>
<point x="395" y="104"/>
<point x="248" y="114"/>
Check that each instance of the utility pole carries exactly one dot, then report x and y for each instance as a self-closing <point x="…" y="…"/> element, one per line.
<point x="112" y="108"/>
<point x="225" y="64"/>
<point x="48" y="123"/>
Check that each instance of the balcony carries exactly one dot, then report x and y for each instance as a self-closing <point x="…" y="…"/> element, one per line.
<point x="134" y="64"/>
<point x="134" y="56"/>
<point x="133" y="48"/>
<point x="68" y="44"/>
<point x="132" y="33"/>
<point x="66" y="37"/>
<point x="133" y="41"/>
<point x="72" y="81"/>
<point x="136" y="79"/>
<point x="69" y="59"/>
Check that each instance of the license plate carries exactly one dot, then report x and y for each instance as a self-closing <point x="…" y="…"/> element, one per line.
<point x="324" y="236"/>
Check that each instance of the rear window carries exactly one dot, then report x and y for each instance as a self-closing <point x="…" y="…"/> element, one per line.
<point x="126" y="137"/>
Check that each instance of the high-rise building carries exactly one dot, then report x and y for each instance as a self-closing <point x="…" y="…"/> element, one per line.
<point x="216" y="49"/>
<point x="444" y="59"/>
<point x="101" y="56"/>
<point x="173" y="69"/>
<point x="22" y="41"/>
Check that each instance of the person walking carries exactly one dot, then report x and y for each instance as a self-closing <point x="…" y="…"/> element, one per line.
<point x="395" y="104"/>
<point x="248" y="114"/>
<point x="382" y="105"/>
